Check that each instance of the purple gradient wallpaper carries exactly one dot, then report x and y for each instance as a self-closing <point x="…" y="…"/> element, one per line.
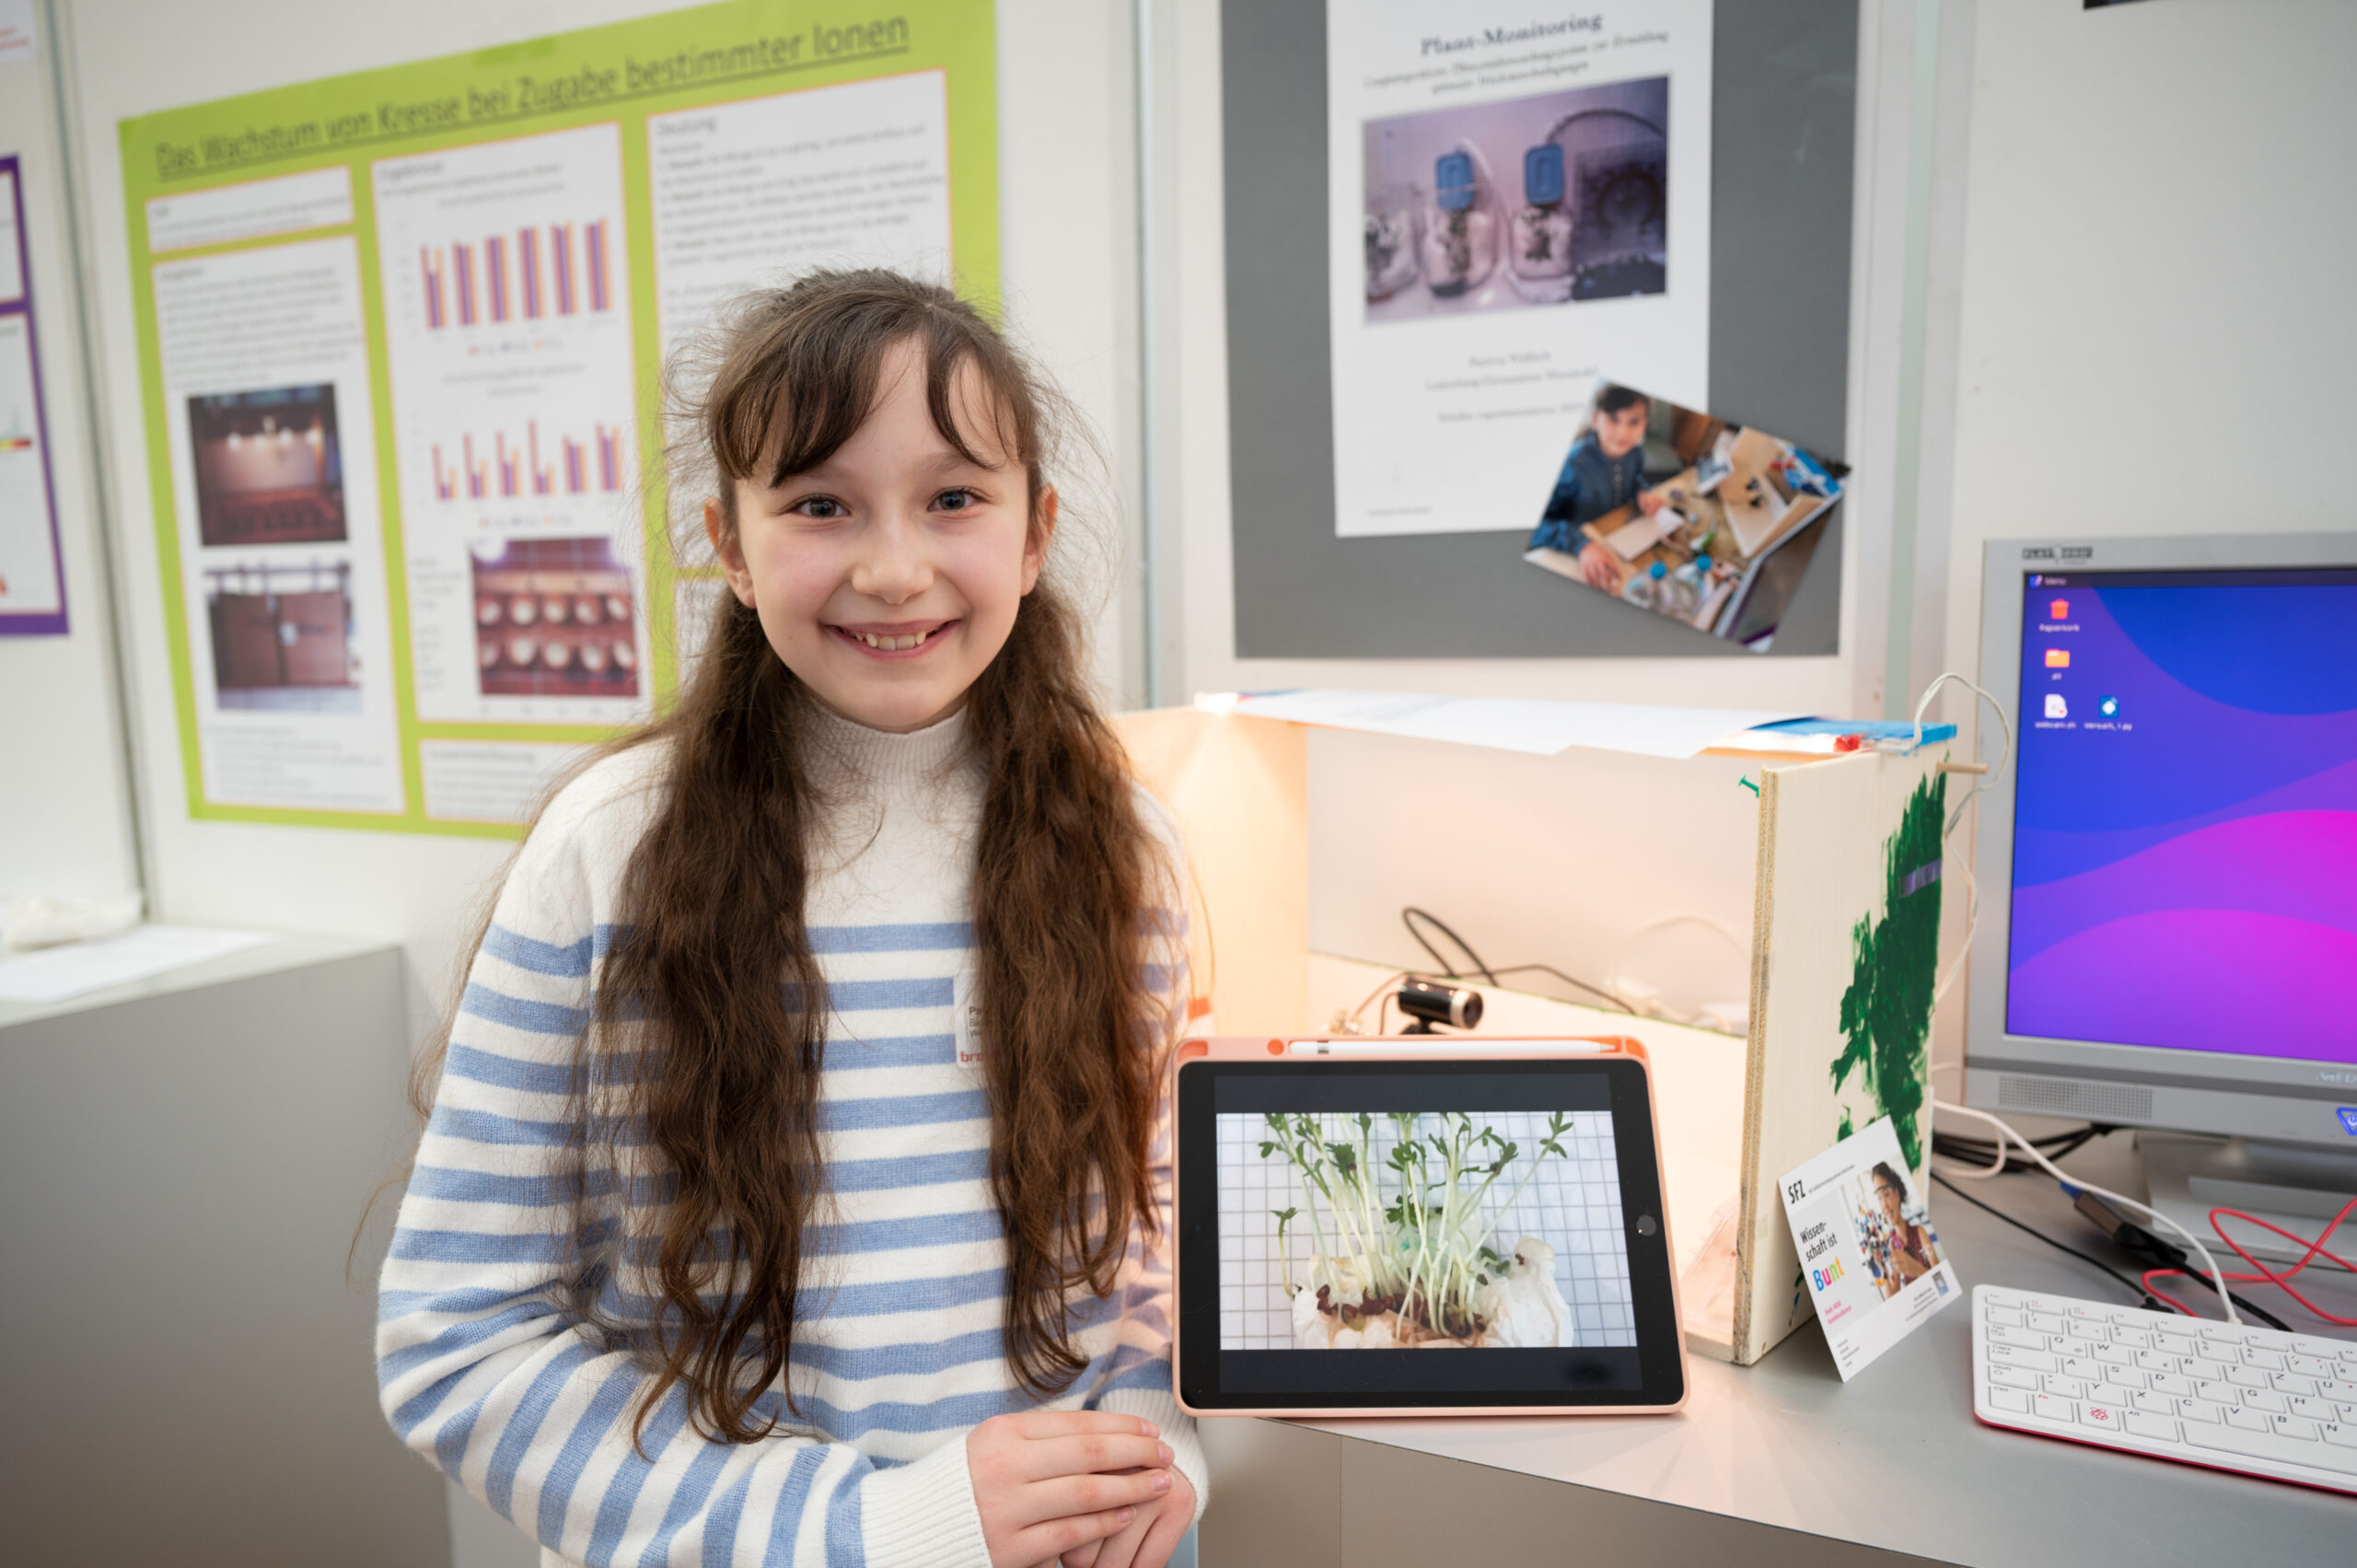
<point x="2185" y="820"/>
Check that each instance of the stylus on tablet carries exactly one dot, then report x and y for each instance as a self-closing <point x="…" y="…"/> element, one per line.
<point x="1425" y="1048"/>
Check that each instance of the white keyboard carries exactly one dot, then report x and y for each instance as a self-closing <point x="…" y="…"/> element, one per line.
<point x="2228" y="1395"/>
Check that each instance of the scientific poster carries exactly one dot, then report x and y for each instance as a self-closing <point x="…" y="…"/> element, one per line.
<point x="33" y="580"/>
<point x="1514" y="210"/>
<point x="401" y="337"/>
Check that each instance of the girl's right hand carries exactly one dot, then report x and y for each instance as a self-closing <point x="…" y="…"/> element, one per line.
<point x="1039" y="1481"/>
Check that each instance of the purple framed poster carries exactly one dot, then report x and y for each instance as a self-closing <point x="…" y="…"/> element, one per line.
<point x="33" y="576"/>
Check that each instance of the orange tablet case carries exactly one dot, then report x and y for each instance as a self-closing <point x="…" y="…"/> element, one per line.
<point x="1469" y="1051"/>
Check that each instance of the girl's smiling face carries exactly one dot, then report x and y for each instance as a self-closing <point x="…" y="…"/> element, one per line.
<point x="888" y="576"/>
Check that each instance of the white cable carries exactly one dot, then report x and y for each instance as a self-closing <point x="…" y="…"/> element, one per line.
<point x="2217" y="1275"/>
<point x="1651" y="1004"/>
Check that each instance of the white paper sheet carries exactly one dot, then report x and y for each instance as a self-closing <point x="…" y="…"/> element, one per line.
<point x="1514" y="207"/>
<point x="55" y="974"/>
<point x="1513" y="724"/>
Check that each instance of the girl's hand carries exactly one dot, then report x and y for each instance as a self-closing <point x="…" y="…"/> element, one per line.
<point x="1148" y="1540"/>
<point x="1595" y="566"/>
<point x="1040" y="1483"/>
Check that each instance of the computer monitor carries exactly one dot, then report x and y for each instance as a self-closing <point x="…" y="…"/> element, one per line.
<point x="2167" y="868"/>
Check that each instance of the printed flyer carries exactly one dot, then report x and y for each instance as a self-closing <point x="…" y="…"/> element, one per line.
<point x="1868" y="1254"/>
<point x="33" y="580"/>
<point x="1512" y="205"/>
<point x="401" y="337"/>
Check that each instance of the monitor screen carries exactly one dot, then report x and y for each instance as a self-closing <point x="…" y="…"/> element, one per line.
<point x="2185" y="822"/>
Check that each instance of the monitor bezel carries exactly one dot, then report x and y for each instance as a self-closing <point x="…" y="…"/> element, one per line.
<point x="2275" y="1097"/>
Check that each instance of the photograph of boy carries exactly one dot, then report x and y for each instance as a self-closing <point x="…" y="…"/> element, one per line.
<point x="1604" y="470"/>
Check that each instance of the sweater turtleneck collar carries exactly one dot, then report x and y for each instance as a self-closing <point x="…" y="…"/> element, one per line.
<point x="882" y="759"/>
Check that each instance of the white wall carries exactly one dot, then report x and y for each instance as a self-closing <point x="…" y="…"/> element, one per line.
<point x="65" y="828"/>
<point x="2157" y="334"/>
<point x="1066" y="226"/>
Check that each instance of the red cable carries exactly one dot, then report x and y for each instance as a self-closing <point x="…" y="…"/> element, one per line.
<point x="2266" y="1275"/>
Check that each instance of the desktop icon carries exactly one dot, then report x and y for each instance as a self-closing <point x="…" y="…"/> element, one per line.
<point x="2059" y="610"/>
<point x="2349" y="1119"/>
<point x="2107" y="706"/>
<point x="2056" y="708"/>
<point x="2057" y="658"/>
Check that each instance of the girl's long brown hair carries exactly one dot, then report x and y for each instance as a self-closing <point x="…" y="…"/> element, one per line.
<point x="705" y="1045"/>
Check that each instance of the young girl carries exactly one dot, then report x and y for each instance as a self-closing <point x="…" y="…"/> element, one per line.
<point x="794" y="1187"/>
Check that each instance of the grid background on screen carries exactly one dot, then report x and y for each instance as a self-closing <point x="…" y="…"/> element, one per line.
<point x="1573" y="1204"/>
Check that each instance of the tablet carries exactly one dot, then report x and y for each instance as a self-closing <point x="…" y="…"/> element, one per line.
<point x="1350" y="1208"/>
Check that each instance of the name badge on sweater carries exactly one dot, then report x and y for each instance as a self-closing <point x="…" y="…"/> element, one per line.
<point x="966" y="1011"/>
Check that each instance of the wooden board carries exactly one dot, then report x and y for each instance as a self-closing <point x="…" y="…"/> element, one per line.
<point x="1844" y="957"/>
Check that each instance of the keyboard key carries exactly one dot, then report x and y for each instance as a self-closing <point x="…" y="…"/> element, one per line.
<point x="2265" y="1399"/>
<point x="2268" y="1445"/>
<point x="2026" y="1338"/>
<point x="2248" y="1420"/>
<point x="2342" y="1432"/>
<point x="2308" y="1344"/>
<point x="2311" y="1365"/>
<point x="2046" y="1322"/>
<point x="2052" y="1409"/>
<point x="2013" y="1378"/>
<point x="2159" y="1361"/>
<point x="2135" y="1338"/>
<point x="2102" y="1417"/>
<point x="2255" y="1356"/>
<point x="2152" y="1404"/>
<point x="2173" y="1383"/>
<point x="2140" y="1424"/>
<point x="2219" y="1393"/>
<point x="2203" y="1370"/>
<point x="2317" y="1409"/>
<point x="2296" y="1426"/>
<point x="2247" y="1378"/>
<point x="2090" y="1330"/>
<point x="2268" y="1338"/>
<point x="2082" y="1366"/>
<point x="2011" y="1399"/>
<point x="2008" y="1316"/>
<point x="2176" y="1344"/>
<point x="2116" y="1355"/>
<point x="2202" y="1409"/>
<point x="2067" y="1387"/>
<point x="2342" y="1390"/>
<point x="2014" y="1355"/>
<point x="2110" y="1394"/>
<point x="2224" y="1333"/>
<point x="2292" y="1383"/>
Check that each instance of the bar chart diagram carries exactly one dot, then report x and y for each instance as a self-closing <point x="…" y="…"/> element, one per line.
<point x="533" y="273"/>
<point x="509" y="344"/>
<point x="506" y="469"/>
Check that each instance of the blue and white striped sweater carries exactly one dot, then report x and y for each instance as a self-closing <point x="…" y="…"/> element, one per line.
<point x="898" y="1349"/>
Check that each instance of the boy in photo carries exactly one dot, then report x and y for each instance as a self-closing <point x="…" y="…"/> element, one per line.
<point x="1604" y="469"/>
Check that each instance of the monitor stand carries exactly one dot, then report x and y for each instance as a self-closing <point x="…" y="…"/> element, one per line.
<point x="2298" y="1186"/>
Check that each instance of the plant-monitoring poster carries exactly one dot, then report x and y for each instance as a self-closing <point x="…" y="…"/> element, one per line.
<point x="401" y="337"/>
<point x="1514" y="207"/>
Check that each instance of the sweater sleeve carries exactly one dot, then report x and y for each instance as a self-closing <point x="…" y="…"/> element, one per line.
<point x="1145" y="1380"/>
<point x="482" y="1369"/>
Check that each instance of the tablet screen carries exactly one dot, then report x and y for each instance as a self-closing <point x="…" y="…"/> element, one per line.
<point x="1345" y="1222"/>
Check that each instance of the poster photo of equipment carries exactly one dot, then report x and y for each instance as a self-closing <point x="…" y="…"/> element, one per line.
<point x="282" y="637"/>
<point x="1413" y="1231"/>
<point x="553" y="618"/>
<point x="268" y="467"/>
<point x="1547" y="199"/>
<point x="1685" y="514"/>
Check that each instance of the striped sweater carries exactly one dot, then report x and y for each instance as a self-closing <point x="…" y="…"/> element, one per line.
<point x="898" y="1349"/>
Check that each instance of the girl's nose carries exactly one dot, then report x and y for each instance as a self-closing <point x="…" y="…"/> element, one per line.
<point x="893" y="565"/>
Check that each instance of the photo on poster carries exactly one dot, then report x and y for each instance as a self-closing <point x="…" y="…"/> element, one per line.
<point x="1554" y="199"/>
<point x="282" y="637"/>
<point x="268" y="470"/>
<point x="1413" y="1231"/>
<point x="555" y="618"/>
<point x="1684" y="514"/>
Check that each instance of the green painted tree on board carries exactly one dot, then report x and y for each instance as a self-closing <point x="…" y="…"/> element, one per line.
<point x="1887" y="1011"/>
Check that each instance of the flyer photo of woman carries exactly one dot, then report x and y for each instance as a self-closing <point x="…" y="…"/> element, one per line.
<point x="1900" y="1249"/>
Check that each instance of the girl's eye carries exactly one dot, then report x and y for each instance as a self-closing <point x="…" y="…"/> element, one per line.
<point x="956" y="500"/>
<point x="820" y="506"/>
